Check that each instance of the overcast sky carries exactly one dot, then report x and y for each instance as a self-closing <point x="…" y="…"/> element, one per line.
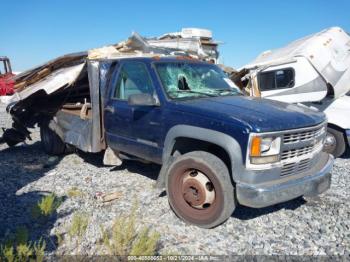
<point x="36" y="31"/>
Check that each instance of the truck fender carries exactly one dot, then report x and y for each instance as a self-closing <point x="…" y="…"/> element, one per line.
<point x="228" y="143"/>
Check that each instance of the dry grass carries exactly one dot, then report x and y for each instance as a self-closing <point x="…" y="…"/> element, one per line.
<point x="46" y="206"/>
<point x="124" y="239"/>
<point x="75" y="192"/>
<point x="145" y="243"/>
<point x="79" y="225"/>
<point x="18" y="248"/>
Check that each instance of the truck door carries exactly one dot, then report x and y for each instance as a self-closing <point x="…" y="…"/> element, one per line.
<point x="134" y="130"/>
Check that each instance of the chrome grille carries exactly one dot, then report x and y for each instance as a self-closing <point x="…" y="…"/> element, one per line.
<point x="302" y="136"/>
<point x="297" y="152"/>
<point x="299" y="147"/>
<point x="295" y="167"/>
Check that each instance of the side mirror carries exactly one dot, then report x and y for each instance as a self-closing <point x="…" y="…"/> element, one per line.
<point x="142" y="100"/>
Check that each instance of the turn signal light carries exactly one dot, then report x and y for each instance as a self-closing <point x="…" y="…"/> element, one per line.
<point x="255" y="149"/>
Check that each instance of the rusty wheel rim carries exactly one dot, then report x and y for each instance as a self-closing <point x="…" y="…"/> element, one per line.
<point x="195" y="194"/>
<point x="197" y="190"/>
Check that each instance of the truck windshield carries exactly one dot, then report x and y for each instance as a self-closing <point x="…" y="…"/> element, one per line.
<point x="183" y="80"/>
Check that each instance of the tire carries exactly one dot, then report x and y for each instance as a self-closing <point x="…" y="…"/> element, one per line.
<point x="191" y="180"/>
<point x="12" y="137"/>
<point x="335" y="142"/>
<point x="52" y="143"/>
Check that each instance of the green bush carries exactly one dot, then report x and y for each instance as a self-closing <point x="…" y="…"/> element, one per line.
<point x="7" y="253"/>
<point x="124" y="239"/>
<point x="18" y="248"/>
<point x="46" y="206"/>
<point x="79" y="225"/>
<point x="39" y="250"/>
<point x="145" y="243"/>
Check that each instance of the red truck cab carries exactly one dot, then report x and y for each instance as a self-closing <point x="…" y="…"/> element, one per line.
<point x="6" y="77"/>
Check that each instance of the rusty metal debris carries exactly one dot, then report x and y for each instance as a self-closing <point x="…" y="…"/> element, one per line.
<point x="32" y="76"/>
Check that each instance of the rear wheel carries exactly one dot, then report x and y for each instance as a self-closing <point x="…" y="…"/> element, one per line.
<point x="335" y="142"/>
<point x="199" y="189"/>
<point x="12" y="137"/>
<point x="52" y="143"/>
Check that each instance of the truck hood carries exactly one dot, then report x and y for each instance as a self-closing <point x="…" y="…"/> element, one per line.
<point x="259" y="115"/>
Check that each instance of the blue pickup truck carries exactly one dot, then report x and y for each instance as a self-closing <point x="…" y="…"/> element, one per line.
<point x="217" y="147"/>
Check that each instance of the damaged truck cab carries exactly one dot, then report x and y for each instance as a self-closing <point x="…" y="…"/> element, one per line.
<point x="217" y="148"/>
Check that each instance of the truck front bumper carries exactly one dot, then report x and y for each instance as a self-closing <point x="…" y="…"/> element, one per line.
<point x="309" y="185"/>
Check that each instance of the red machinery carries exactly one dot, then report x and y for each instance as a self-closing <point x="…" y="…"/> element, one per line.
<point x="6" y="77"/>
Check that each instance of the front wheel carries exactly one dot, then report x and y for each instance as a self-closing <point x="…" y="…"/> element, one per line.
<point x="335" y="142"/>
<point x="200" y="190"/>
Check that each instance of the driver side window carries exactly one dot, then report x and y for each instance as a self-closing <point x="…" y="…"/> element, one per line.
<point x="133" y="79"/>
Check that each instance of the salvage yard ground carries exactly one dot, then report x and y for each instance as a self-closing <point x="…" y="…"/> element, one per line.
<point x="317" y="226"/>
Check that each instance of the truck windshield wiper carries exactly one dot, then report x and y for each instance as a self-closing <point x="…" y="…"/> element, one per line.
<point x="193" y="92"/>
<point x="220" y="91"/>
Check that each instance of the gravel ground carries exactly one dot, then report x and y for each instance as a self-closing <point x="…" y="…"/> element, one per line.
<point x="317" y="226"/>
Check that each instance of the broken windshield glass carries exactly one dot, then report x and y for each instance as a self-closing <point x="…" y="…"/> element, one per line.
<point x="187" y="79"/>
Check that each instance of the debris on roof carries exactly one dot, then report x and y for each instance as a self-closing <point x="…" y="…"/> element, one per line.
<point x="194" y="42"/>
<point x="61" y="93"/>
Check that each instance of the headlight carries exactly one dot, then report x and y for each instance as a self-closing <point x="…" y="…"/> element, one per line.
<point x="264" y="149"/>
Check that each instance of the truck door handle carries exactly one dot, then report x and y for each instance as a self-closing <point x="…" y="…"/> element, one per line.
<point x="109" y="109"/>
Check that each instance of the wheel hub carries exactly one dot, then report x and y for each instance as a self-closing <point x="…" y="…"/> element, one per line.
<point x="193" y="192"/>
<point x="330" y="142"/>
<point x="197" y="190"/>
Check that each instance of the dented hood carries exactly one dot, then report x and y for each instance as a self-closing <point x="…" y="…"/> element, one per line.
<point x="259" y="115"/>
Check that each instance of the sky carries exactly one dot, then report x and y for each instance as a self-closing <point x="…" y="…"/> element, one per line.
<point x="35" y="31"/>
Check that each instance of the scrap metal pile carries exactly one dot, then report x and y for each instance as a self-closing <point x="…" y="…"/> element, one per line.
<point x="192" y="42"/>
<point x="63" y="71"/>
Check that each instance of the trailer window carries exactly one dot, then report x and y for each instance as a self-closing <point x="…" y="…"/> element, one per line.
<point x="277" y="79"/>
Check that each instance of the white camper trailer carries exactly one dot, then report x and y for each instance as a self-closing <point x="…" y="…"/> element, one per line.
<point x="314" y="71"/>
